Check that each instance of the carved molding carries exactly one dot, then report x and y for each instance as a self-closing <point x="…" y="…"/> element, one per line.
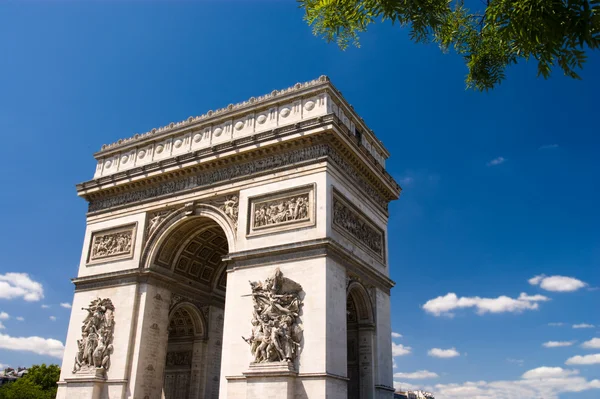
<point x="282" y="210"/>
<point x="243" y="170"/>
<point x="112" y="244"/>
<point x="95" y="345"/>
<point x="356" y="226"/>
<point x="276" y="332"/>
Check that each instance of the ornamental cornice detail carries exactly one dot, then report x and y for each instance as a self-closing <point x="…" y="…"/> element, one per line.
<point x="280" y="108"/>
<point x="241" y="170"/>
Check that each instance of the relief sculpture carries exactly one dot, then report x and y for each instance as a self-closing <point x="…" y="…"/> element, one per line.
<point x="112" y="244"/>
<point x="281" y="210"/>
<point x="357" y="227"/>
<point x="95" y="345"/>
<point x="276" y="334"/>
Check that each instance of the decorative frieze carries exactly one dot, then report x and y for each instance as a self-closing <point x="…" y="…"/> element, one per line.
<point x="355" y="225"/>
<point x="282" y="210"/>
<point x="276" y="332"/>
<point x="112" y="244"/>
<point x="244" y="170"/>
<point x="95" y="345"/>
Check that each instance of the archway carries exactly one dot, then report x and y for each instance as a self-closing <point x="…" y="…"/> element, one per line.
<point x="360" y="330"/>
<point x="190" y="252"/>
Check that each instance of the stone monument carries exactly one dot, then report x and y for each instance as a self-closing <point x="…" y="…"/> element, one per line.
<point x="240" y="254"/>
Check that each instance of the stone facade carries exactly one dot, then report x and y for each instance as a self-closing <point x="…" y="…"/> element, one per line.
<point x="288" y="191"/>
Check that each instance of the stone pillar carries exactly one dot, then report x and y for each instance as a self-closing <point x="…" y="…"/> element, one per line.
<point x="198" y="376"/>
<point x="384" y="380"/>
<point x="213" y="352"/>
<point x="366" y="361"/>
<point x="150" y="345"/>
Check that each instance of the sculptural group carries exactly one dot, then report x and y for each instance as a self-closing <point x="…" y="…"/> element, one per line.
<point x="276" y="334"/>
<point x="95" y="345"/>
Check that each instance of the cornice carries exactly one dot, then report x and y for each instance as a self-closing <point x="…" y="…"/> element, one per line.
<point x="232" y="110"/>
<point x="330" y="145"/>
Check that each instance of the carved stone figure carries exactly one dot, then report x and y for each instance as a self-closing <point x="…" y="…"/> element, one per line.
<point x="95" y="346"/>
<point x="276" y="334"/>
<point x="231" y="207"/>
<point x="281" y="210"/>
<point x="111" y="244"/>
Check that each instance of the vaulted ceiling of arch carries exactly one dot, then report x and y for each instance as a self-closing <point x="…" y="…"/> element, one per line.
<point x="194" y="250"/>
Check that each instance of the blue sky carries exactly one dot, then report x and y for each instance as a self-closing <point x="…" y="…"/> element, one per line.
<point x="76" y="75"/>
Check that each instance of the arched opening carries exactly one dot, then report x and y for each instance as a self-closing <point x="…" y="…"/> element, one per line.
<point x="190" y="251"/>
<point x="186" y="339"/>
<point x="360" y="331"/>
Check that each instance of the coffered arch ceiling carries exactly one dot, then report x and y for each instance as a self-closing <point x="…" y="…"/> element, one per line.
<point x="194" y="251"/>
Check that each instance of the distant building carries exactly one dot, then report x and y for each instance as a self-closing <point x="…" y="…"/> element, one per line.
<point x="413" y="395"/>
<point x="11" y="375"/>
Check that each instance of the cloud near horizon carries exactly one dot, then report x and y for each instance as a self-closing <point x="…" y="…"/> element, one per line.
<point x="417" y="375"/>
<point x="41" y="346"/>
<point x="15" y="285"/>
<point x="542" y="382"/>
<point x="557" y="283"/>
<point x="444" y="305"/>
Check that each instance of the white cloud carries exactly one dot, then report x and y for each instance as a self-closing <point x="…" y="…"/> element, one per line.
<point x="443" y="353"/>
<point x="543" y="382"/>
<point x="396" y="335"/>
<point x="4" y="316"/>
<point x="557" y="283"/>
<point x="417" y="375"/>
<point x="549" y="146"/>
<point x="2" y="327"/>
<point x="593" y="343"/>
<point x="3" y="366"/>
<point x="400" y="350"/>
<point x="53" y="318"/>
<point x="15" y="285"/>
<point x="557" y="344"/>
<point x="394" y="365"/>
<point x="548" y="372"/>
<point x="586" y="360"/>
<point x="444" y="305"/>
<point x="41" y="346"/>
<point x="20" y="318"/>
<point x="496" y="161"/>
<point x="556" y="324"/>
<point x="45" y="306"/>
<point x="583" y="325"/>
<point x="66" y="305"/>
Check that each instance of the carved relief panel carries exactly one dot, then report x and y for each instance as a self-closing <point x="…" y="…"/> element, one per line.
<point x="112" y="244"/>
<point x="281" y="211"/>
<point x="357" y="227"/>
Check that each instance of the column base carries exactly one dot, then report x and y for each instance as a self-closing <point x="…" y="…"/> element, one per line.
<point x="89" y="383"/>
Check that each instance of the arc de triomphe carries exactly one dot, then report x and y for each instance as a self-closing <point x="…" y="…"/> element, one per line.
<point x="238" y="254"/>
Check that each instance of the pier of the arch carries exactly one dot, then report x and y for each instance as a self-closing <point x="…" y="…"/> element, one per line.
<point x="251" y="267"/>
